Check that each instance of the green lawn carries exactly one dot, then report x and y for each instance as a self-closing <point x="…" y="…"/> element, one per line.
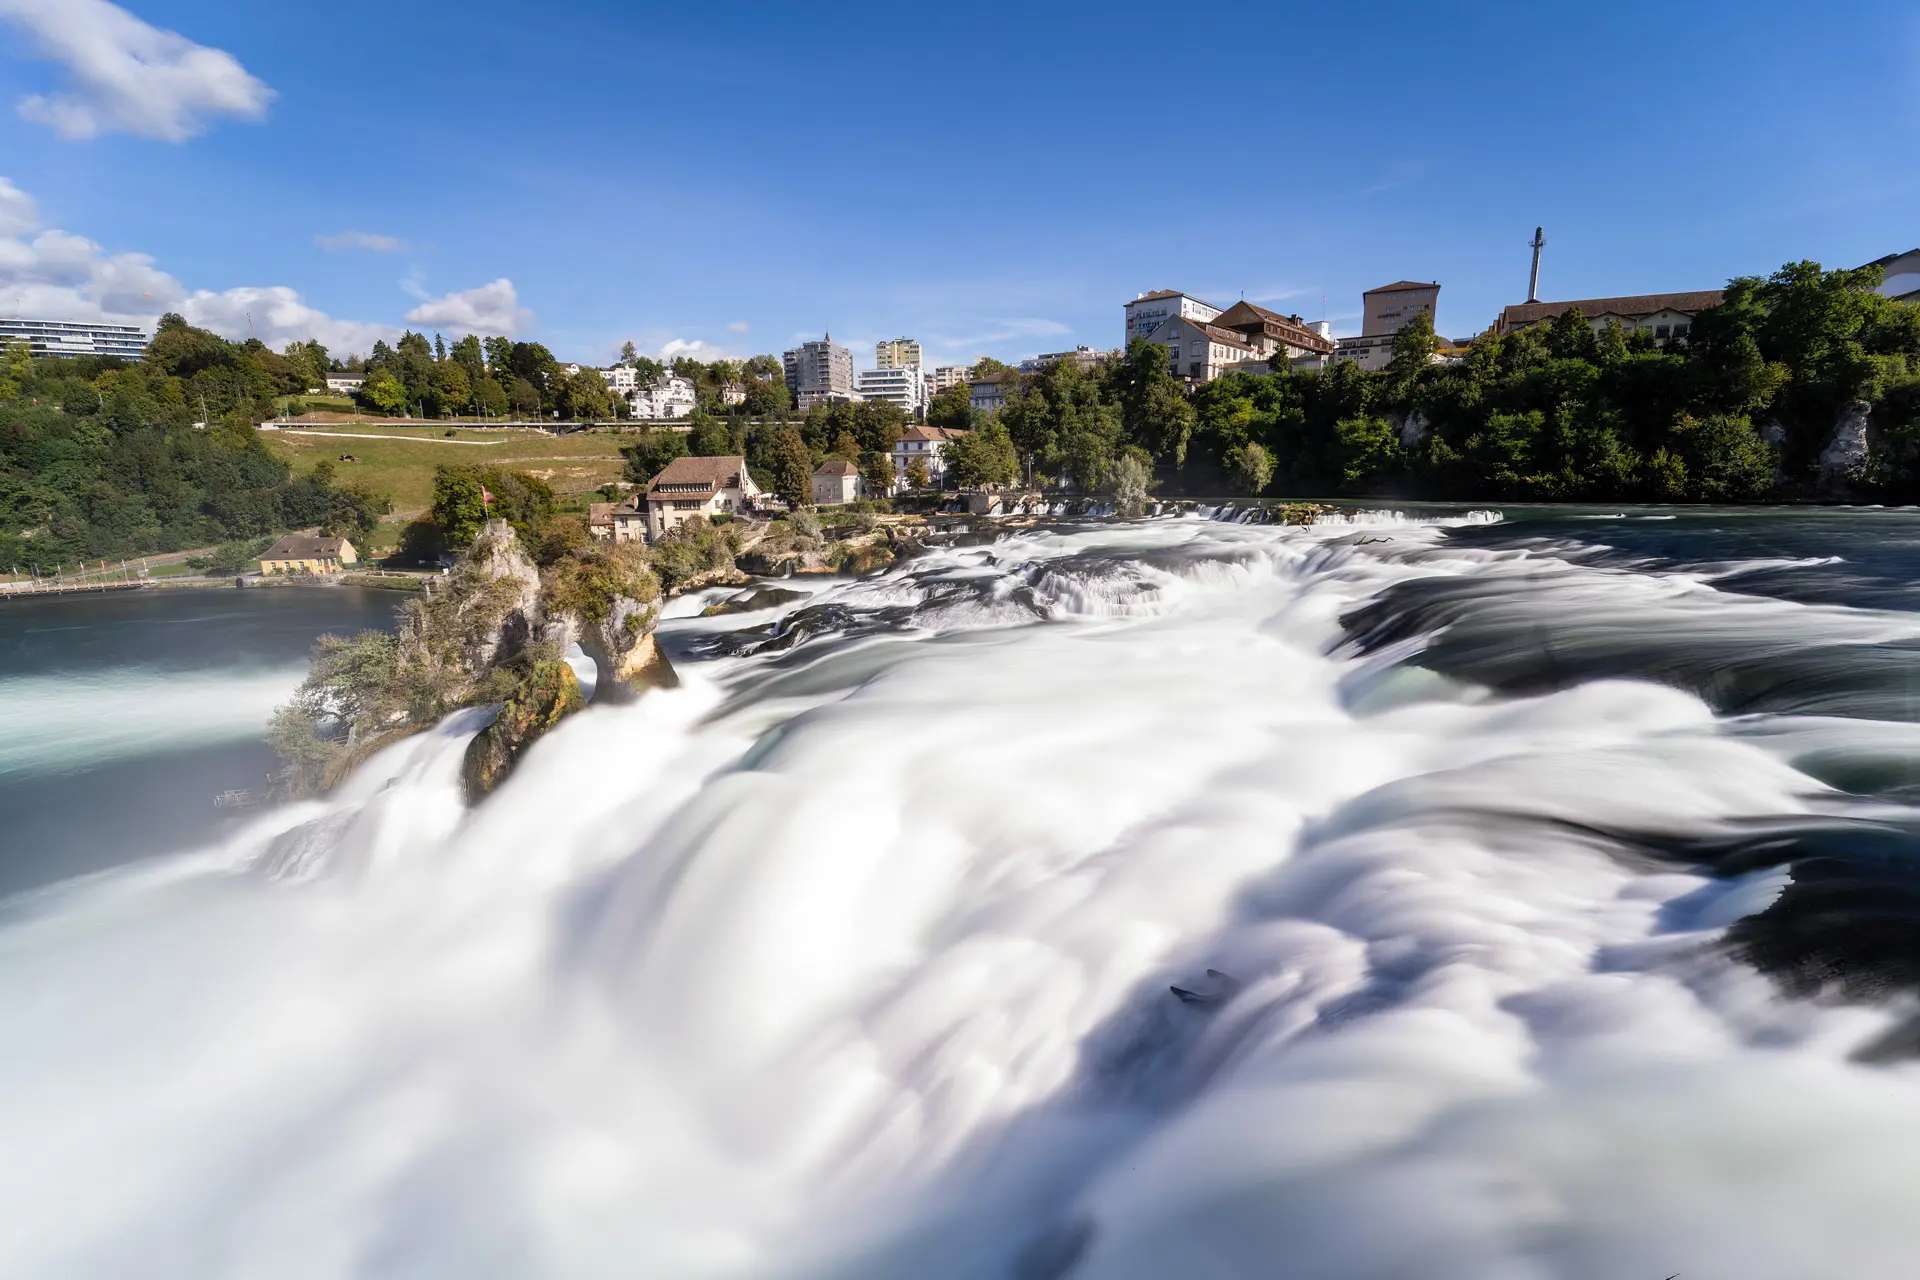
<point x="399" y="461"/>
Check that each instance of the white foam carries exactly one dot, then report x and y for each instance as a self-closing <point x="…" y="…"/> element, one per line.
<point x="861" y="967"/>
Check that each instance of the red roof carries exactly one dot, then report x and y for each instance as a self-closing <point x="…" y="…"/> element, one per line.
<point x="1404" y="284"/>
<point x="836" y="467"/>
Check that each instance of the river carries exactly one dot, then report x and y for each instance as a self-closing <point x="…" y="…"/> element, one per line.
<point x="1538" y="888"/>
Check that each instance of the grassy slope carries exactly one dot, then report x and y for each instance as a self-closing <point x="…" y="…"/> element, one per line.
<point x="403" y="468"/>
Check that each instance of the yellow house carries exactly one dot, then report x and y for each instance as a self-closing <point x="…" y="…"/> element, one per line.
<point x="307" y="553"/>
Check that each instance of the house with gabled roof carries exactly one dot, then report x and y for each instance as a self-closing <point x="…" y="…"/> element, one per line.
<point x="688" y="487"/>
<point x="835" y="483"/>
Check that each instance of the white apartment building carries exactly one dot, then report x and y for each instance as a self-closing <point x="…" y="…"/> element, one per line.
<point x="51" y="339"/>
<point x="897" y="353"/>
<point x="671" y="396"/>
<point x="903" y="386"/>
<point x="345" y="384"/>
<point x="820" y="373"/>
<point x="923" y="444"/>
<point x="1149" y="311"/>
<point x="622" y="379"/>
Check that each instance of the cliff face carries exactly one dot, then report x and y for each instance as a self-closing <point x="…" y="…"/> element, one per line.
<point x="495" y="629"/>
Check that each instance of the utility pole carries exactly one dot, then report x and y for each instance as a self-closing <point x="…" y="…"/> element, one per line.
<point x="1533" y="281"/>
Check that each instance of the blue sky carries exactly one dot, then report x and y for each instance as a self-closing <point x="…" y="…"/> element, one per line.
<point x="999" y="179"/>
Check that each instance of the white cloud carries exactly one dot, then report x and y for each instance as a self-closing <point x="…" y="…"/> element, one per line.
<point x="277" y="315"/>
<point x="1002" y="331"/>
<point x="694" y="349"/>
<point x="48" y="274"/>
<point x="125" y="76"/>
<point x="18" y="213"/>
<point x="366" y="240"/>
<point x="492" y="309"/>
<point x="738" y="326"/>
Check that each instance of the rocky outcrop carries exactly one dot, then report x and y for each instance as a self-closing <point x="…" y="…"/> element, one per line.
<point x="753" y="601"/>
<point x="494" y="630"/>
<point x="1843" y="463"/>
<point x="1412" y="428"/>
<point x="547" y="694"/>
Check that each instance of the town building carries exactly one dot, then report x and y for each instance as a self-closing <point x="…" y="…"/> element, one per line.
<point x="1902" y="270"/>
<point x="345" y="384"/>
<point x="820" y="373"/>
<point x="835" y="482"/>
<point x="1664" y="315"/>
<point x="733" y="393"/>
<point x="60" y="339"/>
<point x="623" y="379"/>
<point x="1146" y="313"/>
<point x="688" y="487"/>
<point x="1085" y="357"/>
<point x="670" y="396"/>
<point x="990" y="392"/>
<point x="950" y="375"/>
<point x="1383" y="313"/>
<point x="897" y="353"/>
<point x="926" y="445"/>
<point x="1200" y="351"/>
<point x="1275" y="338"/>
<point x="600" y="520"/>
<point x="307" y="553"/>
<point x="903" y="387"/>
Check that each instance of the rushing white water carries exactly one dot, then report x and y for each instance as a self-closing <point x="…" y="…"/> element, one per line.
<point x="53" y="724"/>
<point x="854" y="961"/>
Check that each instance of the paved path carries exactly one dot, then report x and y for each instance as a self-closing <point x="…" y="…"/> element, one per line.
<point x="373" y="435"/>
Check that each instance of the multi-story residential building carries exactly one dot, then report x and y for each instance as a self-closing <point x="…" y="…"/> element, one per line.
<point x="1384" y="312"/>
<point x="688" y="487"/>
<point x="990" y="393"/>
<point x="733" y="393"/>
<point x="622" y="379"/>
<point x="345" y="384"/>
<point x="820" y="373"/>
<point x="1146" y="313"/>
<point x="670" y="396"/>
<point x="1665" y="315"/>
<point x="55" y="339"/>
<point x="897" y="353"/>
<point x="903" y="386"/>
<point x="948" y="375"/>
<point x="926" y="445"/>
<point x="1902" y="282"/>
<point x="835" y="483"/>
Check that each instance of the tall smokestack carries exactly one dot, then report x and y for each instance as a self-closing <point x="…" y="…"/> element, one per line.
<point x="1533" y="281"/>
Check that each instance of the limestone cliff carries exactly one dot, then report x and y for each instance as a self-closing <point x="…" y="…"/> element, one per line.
<point x="495" y="629"/>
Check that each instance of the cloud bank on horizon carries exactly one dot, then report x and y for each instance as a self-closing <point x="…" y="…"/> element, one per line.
<point x="50" y="274"/>
<point x="128" y="76"/>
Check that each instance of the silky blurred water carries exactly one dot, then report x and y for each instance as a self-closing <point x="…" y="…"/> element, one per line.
<point x="1541" y="888"/>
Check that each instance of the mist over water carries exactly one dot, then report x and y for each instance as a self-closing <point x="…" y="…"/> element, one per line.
<point x="1480" y="848"/>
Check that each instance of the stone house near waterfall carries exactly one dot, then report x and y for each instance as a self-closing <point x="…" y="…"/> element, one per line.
<point x="688" y="487"/>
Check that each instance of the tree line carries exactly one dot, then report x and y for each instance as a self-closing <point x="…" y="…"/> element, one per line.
<point x="1741" y="409"/>
<point x="494" y="377"/>
<point x="105" y="458"/>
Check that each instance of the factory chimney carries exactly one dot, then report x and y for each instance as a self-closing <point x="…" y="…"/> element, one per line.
<point x="1533" y="281"/>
